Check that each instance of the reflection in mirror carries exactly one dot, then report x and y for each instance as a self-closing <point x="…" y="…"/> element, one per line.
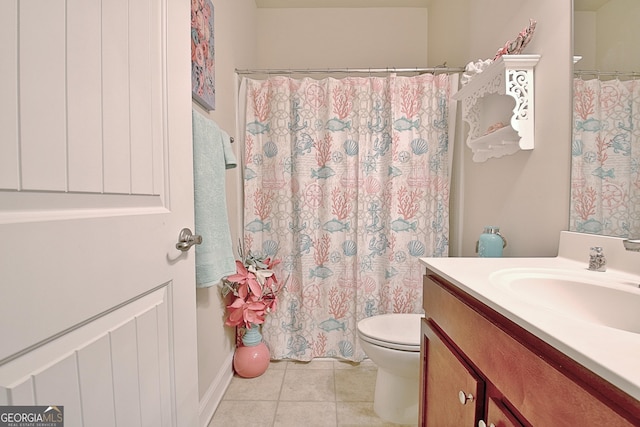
<point x="605" y="161"/>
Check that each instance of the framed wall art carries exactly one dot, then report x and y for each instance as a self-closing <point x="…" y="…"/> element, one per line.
<point x="202" y="54"/>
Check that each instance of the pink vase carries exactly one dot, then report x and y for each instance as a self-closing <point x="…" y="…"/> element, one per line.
<point x="251" y="362"/>
<point x="252" y="358"/>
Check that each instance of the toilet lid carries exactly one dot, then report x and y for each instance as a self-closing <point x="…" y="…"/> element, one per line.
<point x="395" y="328"/>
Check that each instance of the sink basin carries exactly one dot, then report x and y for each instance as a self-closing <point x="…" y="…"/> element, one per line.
<point x="596" y="297"/>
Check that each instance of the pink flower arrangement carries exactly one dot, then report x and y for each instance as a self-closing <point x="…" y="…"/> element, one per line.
<point x="255" y="290"/>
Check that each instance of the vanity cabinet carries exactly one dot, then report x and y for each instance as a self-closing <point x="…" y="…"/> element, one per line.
<point x="481" y="369"/>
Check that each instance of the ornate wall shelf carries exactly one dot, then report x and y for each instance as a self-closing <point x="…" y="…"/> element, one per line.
<point x="496" y="127"/>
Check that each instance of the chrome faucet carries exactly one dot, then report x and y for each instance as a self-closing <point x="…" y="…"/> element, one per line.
<point x="632" y="244"/>
<point x="597" y="261"/>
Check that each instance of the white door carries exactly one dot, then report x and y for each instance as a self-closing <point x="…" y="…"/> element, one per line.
<point x="97" y="306"/>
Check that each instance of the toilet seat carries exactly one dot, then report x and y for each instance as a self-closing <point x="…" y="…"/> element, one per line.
<point x="398" y="331"/>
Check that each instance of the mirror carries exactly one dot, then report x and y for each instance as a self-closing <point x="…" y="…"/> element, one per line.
<point x="605" y="160"/>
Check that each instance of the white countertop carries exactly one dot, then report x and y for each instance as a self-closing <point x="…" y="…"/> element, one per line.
<point x="613" y="354"/>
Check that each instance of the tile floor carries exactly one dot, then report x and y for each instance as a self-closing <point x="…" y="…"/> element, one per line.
<point x="294" y="394"/>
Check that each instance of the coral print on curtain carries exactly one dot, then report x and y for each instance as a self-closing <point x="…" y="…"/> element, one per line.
<point x="348" y="182"/>
<point x="605" y="176"/>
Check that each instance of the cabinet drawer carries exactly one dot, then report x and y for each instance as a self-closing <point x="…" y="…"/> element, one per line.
<point x="542" y="393"/>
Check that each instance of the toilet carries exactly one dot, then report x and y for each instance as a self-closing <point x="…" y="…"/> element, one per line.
<point x="392" y="342"/>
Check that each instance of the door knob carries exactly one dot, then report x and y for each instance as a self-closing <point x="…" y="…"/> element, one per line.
<point x="186" y="239"/>
<point x="465" y="397"/>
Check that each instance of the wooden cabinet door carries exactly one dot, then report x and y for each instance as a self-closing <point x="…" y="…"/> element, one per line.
<point x="454" y="392"/>
<point x="499" y="416"/>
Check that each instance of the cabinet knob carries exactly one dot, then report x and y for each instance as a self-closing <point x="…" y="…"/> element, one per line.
<point x="465" y="397"/>
<point x="481" y="423"/>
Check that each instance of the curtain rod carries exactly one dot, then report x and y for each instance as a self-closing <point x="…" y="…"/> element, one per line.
<point x="352" y="70"/>
<point x="607" y="73"/>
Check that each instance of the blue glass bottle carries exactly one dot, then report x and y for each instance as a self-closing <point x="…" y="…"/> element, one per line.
<point x="491" y="243"/>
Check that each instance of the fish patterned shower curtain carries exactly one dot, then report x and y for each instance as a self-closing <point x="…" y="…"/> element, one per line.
<point x="347" y="182"/>
<point x="605" y="175"/>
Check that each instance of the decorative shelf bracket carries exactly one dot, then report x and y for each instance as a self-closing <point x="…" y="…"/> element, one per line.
<point x="489" y="136"/>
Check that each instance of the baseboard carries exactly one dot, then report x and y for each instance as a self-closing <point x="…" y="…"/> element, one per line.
<point x="211" y="399"/>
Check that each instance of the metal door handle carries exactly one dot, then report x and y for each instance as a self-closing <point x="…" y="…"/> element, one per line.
<point x="186" y="239"/>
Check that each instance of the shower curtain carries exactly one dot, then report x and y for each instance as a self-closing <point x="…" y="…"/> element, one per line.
<point x="605" y="175"/>
<point x="347" y="182"/>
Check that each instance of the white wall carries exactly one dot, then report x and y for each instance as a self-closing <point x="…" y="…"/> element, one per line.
<point x="342" y="37"/>
<point x="607" y="37"/>
<point x="235" y="39"/>
<point x="526" y="194"/>
<point x="618" y="34"/>
<point x="584" y="42"/>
